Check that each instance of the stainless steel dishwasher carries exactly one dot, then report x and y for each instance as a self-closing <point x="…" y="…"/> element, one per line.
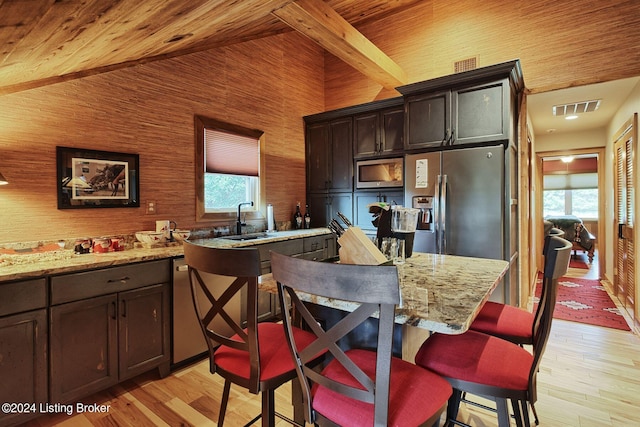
<point x="188" y="341"/>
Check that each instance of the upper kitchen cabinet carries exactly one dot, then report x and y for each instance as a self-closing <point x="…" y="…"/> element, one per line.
<point x="379" y="132"/>
<point x="428" y="120"/>
<point x="329" y="155"/>
<point x="472" y="107"/>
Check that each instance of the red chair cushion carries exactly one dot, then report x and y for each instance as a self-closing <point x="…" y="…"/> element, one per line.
<point x="415" y="394"/>
<point x="504" y="320"/>
<point x="478" y="358"/>
<point x="275" y="356"/>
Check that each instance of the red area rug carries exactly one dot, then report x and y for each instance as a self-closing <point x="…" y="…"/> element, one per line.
<point x="579" y="261"/>
<point x="585" y="301"/>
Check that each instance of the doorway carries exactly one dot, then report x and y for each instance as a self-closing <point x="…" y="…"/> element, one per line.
<point x="568" y="179"/>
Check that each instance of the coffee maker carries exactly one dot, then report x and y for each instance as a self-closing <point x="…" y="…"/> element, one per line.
<point x="425" y="218"/>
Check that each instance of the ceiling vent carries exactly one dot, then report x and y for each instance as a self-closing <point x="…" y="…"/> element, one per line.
<point x="576" y="107"/>
<point x="465" y="65"/>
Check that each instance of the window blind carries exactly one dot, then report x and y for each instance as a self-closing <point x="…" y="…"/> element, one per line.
<point x="231" y="154"/>
<point x="573" y="181"/>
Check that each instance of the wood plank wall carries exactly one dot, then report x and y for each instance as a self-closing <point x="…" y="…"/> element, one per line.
<point x="560" y="44"/>
<point x="268" y="84"/>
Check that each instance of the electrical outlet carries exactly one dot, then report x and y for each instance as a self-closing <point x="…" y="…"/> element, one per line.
<point x="151" y="208"/>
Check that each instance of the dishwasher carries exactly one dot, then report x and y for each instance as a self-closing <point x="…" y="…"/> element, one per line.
<point x="188" y="341"/>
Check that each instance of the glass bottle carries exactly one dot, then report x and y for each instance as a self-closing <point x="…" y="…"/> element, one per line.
<point x="297" y="217"/>
<point x="307" y="217"/>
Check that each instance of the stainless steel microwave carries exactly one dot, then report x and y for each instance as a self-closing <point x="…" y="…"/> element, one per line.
<point x="380" y="173"/>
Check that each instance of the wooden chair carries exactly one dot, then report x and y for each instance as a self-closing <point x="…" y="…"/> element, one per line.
<point x="348" y="391"/>
<point x="491" y="367"/>
<point x="508" y="322"/>
<point x="254" y="356"/>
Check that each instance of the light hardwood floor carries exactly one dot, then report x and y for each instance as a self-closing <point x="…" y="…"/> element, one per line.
<point x="590" y="377"/>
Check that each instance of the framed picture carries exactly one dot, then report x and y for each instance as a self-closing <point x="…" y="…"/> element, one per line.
<point x="97" y="179"/>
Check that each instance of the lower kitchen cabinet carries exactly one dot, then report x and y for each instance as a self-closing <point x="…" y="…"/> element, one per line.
<point x="23" y="364"/>
<point x="84" y="347"/>
<point x="23" y="349"/>
<point x="143" y="335"/>
<point x="98" y="341"/>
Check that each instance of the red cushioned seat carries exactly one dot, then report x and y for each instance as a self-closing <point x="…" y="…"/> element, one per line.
<point x="477" y="357"/>
<point x="505" y="321"/>
<point x="415" y="393"/>
<point x="275" y="358"/>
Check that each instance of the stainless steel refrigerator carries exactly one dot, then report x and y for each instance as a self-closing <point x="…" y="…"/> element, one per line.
<point x="464" y="202"/>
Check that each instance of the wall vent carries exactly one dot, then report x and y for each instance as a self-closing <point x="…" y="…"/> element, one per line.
<point x="576" y="107"/>
<point x="465" y="65"/>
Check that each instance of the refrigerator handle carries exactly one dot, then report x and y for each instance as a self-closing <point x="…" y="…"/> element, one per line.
<point x="443" y="213"/>
<point x="436" y="214"/>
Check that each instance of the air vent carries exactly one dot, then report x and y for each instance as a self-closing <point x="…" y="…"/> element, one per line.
<point x="576" y="107"/>
<point x="465" y="65"/>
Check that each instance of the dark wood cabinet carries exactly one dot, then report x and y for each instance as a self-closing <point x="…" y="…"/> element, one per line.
<point x="329" y="155"/>
<point x="361" y="199"/>
<point x="143" y="337"/>
<point x="324" y="206"/>
<point x="481" y="113"/>
<point x="23" y="356"/>
<point x="106" y="326"/>
<point x="84" y="347"/>
<point x="427" y="120"/>
<point x="445" y="112"/>
<point x="379" y="132"/>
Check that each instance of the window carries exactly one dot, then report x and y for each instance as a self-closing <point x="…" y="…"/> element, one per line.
<point x="571" y="185"/>
<point x="582" y="203"/>
<point x="228" y="168"/>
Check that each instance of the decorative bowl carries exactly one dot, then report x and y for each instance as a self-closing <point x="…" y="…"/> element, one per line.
<point x="181" y="235"/>
<point x="151" y="237"/>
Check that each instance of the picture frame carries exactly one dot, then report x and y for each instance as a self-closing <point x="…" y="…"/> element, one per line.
<point x="97" y="179"/>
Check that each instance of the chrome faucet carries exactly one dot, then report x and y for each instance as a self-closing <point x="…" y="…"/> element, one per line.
<point x="239" y="223"/>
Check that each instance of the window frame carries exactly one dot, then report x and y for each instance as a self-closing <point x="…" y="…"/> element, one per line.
<point x="200" y="124"/>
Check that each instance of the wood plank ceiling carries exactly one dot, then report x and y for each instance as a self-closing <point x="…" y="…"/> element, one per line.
<point x="49" y="41"/>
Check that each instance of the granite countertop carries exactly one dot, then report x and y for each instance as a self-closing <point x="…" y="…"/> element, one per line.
<point x="440" y="293"/>
<point x="18" y="267"/>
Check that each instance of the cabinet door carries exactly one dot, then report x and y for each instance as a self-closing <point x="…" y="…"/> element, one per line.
<point x="361" y="199"/>
<point x="23" y="362"/>
<point x="427" y="120"/>
<point x="143" y="330"/>
<point x="319" y="209"/>
<point x="361" y="212"/>
<point x="341" y="164"/>
<point x="366" y="139"/>
<point x="340" y="202"/>
<point x="482" y="113"/>
<point x="318" y="149"/>
<point x="84" y="348"/>
<point x="392" y="132"/>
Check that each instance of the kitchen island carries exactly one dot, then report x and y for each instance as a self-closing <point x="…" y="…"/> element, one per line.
<point x="439" y="293"/>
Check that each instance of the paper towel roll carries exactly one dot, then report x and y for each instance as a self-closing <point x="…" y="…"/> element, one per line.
<point x="270" y="221"/>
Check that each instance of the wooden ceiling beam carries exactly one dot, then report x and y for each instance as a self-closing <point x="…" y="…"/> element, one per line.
<point x="318" y="21"/>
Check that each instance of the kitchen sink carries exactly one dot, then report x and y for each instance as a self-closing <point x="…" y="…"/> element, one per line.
<point x="250" y="236"/>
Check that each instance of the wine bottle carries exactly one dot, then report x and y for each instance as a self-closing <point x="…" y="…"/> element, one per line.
<point x="307" y="217"/>
<point x="297" y="217"/>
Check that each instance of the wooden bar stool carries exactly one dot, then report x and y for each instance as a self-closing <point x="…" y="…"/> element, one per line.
<point x="359" y="387"/>
<point x="484" y="365"/>
<point x="250" y="354"/>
